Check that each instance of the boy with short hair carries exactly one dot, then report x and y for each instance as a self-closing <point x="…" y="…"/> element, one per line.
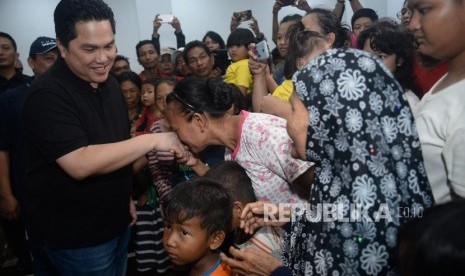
<point x="197" y="217"/>
<point x="237" y="183"/>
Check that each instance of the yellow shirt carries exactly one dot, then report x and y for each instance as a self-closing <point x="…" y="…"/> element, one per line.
<point x="238" y="73"/>
<point x="284" y="91"/>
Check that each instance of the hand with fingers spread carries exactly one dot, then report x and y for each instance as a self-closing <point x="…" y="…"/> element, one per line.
<point x="250" y="262"/>
<point x="260" y="213"/>
<point x="297" y="125"/>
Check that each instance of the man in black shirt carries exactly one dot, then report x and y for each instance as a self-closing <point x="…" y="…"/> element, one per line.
<point x="9" y="78"/>
<point x="42" y="55"/>
<point x="78" y="173"/>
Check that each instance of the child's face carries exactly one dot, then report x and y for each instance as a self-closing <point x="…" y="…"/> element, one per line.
<point x="147" y="95"/>
<point x="163" y="90"/>
<point x="388" y="60"/>
<point x="361" y="24"/>
<point x="436" y="27"/>
<point x="238" y="52"/>
<point x="186" y="243"/>
<point x="282" y="41"/>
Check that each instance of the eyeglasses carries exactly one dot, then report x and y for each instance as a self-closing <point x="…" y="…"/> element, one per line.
<point x="404" y="12"/>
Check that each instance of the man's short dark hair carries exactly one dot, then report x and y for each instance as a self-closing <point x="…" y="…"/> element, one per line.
<point x="202" y="198"/>
<point x="194" y="44"/>
<point x="10" y="38"/>
<point x="69" y="12"/>
<point x="234" y="179"/>
<point x="120" y="57"/>
<point x="142" y="43"/>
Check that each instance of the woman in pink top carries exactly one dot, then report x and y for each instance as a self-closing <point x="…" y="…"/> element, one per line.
<point x="201" y="113"/>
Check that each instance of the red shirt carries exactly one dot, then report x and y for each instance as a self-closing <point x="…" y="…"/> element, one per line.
<point x="426" y="78"/>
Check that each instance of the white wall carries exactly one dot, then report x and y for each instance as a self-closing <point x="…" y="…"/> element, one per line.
<point x="27" y="19"/>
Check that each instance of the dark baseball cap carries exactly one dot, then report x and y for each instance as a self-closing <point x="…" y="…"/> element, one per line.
<point x="42" y="45"/>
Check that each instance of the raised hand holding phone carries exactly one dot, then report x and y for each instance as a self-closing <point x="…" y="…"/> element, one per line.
<point x="166" y="18"/>
<point x="256" y="66"/>
<point x="243" y="15"/>
<point x="262" y="50"/>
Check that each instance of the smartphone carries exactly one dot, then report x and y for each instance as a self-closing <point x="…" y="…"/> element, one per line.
<point x="166" y="18"/>
<point x="243" y="15"/>
<point x="262" y="50"/>
<point x="289" y="2"/>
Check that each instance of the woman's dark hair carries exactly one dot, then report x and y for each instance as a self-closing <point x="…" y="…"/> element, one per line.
<point x="433" y="243"/>
<point x="199" y="95"/>
<point x="215" y="37"/>
<point x="69" y="12"/>
<point x="388" y="37"/>
<point x="301" y="43"/>
<point x="240" y="37"/>
<point x="329" y="23"/>
<point x="202" y="198"/>
<point x="129" y="76"/>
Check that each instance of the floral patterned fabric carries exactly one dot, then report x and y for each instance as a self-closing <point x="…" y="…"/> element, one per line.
<point x="364" y="142"/>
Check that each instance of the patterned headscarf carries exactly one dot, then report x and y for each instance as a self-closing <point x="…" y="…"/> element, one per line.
<point x="363" y="140"/>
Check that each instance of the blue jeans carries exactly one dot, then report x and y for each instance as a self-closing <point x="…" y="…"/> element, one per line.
<point x="109" y="259"/>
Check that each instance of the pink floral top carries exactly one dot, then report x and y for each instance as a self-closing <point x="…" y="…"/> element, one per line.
<point x="264" y="151"/>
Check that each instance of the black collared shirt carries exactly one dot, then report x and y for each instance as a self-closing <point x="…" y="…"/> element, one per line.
<point x="15" y="81"/>
<point x="63" y="113"/>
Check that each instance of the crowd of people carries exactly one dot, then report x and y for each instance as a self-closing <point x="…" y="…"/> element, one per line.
<point x="341" y="153"/>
